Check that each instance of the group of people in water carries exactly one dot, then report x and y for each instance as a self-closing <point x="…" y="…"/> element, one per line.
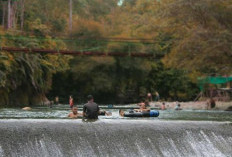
<point x="91" y="110"/>
<point x="163" y="106"/>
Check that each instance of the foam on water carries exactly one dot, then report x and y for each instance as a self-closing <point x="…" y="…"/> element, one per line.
<point x="51" y="113"/>
<point x="1" y="151"/>
<point x="105" y="137"/>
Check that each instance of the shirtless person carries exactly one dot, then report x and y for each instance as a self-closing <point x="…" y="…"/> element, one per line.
<point x="150" y="113"/>
<point x="27" y="108"/>
<point x="142" y="108"/>
<point x="74" y="113"/>
<point x="163" y="106"/>
<point x="71" y="101"/>
<point x="138" y="112"/>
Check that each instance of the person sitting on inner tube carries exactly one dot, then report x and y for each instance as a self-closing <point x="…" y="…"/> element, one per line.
<point x="151" y="113"/>
<point x="141" y="112"/>
<point x="142" y="108"/>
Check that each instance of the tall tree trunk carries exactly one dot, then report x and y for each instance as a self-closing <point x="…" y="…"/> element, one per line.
<point x="70" y="15"/>
<point x="3" y="13"/>
<point x="14" y="14"/>
<point x="9" y="15"/>
<point x="22" y="15"/>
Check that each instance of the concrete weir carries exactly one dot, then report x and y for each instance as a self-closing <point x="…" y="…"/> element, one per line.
<point x="106" y="137"/>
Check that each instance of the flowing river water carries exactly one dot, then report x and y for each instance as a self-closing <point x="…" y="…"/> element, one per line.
<point x="48" y="133"/>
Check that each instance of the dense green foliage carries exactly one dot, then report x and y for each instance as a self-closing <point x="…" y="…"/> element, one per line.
<point x="189" y="38"/>
<point x="204" y="36"/>
<point x="25" y="78"/>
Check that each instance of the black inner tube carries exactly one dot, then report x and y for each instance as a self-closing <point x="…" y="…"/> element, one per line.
<point x="142" y="114"/>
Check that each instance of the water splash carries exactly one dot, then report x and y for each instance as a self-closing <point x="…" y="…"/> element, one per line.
<point x="107" y="137"/>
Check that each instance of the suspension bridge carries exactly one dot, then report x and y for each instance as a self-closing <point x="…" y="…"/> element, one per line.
<point x="85" y="52"/>
<point x="77" y="53"/>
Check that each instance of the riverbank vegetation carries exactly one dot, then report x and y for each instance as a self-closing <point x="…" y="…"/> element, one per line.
<point x="187" y="39"/>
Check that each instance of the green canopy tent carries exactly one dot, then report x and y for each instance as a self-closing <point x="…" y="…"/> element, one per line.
<point x="212" y="80"/>
<point x="202" y="81"/>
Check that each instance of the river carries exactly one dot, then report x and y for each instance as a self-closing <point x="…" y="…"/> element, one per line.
<point x="48" y="133"/>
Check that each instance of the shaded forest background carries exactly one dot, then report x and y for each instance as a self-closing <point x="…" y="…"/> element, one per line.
<point x="188" y="39"/>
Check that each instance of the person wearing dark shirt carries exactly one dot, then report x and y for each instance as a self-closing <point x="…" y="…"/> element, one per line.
<point x="91" y="109"/>
<point x="178" y="107"/>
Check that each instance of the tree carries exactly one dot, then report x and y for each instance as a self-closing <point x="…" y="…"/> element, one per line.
<point x="203" y="35"/>
<point x="27" y="77"/>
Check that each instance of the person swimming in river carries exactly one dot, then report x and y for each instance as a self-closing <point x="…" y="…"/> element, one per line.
<point x="56" y="100"/>
<point x="178" y="107"/>
<point x="163" y="106"/>
<point x="27" y="108"/>
<point x="74" y="113"/>
<point x="104" y="113"/>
